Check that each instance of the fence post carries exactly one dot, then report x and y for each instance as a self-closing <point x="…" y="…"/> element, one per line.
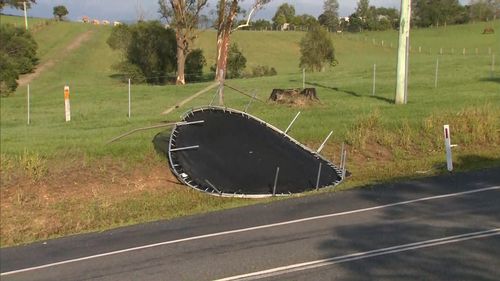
<point x="374" y="78"/>
<point x="436" y="78"/>
<point x="67" y="108"/>
<point x="129" y="100"/>
<point x="28" y="103"/>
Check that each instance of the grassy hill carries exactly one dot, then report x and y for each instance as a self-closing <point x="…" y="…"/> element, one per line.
<point x="60" y="178"/>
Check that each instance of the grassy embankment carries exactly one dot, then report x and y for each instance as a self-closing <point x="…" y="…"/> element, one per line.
<point x="60" y="178"/>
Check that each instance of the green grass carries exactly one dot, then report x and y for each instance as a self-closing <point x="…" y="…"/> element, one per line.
<point x="386" y="141"/>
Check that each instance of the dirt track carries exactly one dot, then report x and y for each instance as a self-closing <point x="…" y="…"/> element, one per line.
<point x="75" y="44"/>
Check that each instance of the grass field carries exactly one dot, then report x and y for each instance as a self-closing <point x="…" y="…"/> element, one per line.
<point x="60" y="178"/>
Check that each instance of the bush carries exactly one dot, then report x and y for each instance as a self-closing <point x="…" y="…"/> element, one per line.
<point x="149" y="51"/>
<point x="195" y="62"/>
<point x="316" y="50"/>
<point x="236" y="62"/>
<point x="263" y="70"/>
<point x="8" y="75"/>
<point x="17" y="56"/>
<point x="130" y="71"/>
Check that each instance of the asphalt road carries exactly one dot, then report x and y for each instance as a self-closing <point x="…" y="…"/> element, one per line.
<point x="441" y="228"/>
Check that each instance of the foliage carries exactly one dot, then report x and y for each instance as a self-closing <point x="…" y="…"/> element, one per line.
<point x="8" y="75"/>
<point x="483" y="10"/>
<point x="17" y="54"/>
<point x="329" y="20"/>
<point x="284" y="14"/>
<point x="316" y="50"/>
<point x="304" y="21"/>
<point x="148" y="49"/>
<point x="195" y="62"/>
<point x="438" y="12"/>
<point x="130" y="71"/>
<point x="262" y="24"/>
<point x="236" y="62"/>
<point x="60" y="12"/>
<point x="119" y="38"/>
<point x="369" y="17"/>
<point x="17" y="4"/>
<point x="263" y="70"/>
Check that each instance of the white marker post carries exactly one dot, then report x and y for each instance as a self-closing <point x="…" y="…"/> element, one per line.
<point x="447" y="143"/>
<point x="28" y="103"/>
<point x="129" y="100"/>
<point x="67" y="109"/>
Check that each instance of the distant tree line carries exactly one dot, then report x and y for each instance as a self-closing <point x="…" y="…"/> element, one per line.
<point x="425" y="13"/>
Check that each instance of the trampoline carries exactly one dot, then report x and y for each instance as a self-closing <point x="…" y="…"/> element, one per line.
<point x="230" y="153"/>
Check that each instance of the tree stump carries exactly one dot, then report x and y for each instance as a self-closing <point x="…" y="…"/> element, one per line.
<point x="294" y="96"/>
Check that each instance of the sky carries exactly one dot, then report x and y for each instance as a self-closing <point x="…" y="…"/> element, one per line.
<point x="127" y="10"/>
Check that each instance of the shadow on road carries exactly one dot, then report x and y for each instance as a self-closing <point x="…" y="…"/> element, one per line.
<point x="421" y="221"/>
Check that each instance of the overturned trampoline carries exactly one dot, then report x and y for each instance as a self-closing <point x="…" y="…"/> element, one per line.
<point x="230" y="153"/>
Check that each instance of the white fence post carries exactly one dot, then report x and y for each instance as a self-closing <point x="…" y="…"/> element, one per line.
<point x="129" y="100"/>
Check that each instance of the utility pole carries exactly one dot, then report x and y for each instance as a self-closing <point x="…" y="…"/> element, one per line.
<point x="25" y="15"/>
<point x="403" y="53"/>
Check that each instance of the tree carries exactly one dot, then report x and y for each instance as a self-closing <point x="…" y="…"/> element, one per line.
<point x="330" y="16"/>
<point x="363" y="9"/>
<point x="236" y="62"/>
<point x="195" y="62"/>
<point x="149" y="54"/>
<point x="436" y="12"/>
<point x="17" y="56"/>
<point x="183" y="16"/>
<point x="317" y="50"/>
<point x="262" y="24"/>
<point x="60" y="12"/>
<point x="355" y="23"/>
<point x="17" y="4"/>
<point x="284" y="14"/>
<point x="482" y="10"/>
<point x="227" y="11"/>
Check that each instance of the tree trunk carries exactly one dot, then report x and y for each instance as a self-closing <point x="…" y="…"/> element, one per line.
<point x="223" y="36"/>
<point x="181" y="61"/>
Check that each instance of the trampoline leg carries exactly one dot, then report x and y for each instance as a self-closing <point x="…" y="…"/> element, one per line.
<point x="276" y="180"/>
<point x="319" y="175"/>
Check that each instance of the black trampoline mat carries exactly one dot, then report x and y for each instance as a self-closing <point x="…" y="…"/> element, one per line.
<point x="234" y="153"/>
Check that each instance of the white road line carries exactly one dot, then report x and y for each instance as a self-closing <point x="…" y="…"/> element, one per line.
<point x="362" y="255"/>
<point x="251" y="229"/>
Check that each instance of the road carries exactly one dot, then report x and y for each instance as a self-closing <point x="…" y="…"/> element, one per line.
<point x="445" y="227"/>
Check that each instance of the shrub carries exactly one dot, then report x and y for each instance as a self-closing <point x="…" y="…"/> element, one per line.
<point x="148" y="49"/>
<point x="195" y="62"/>
<point x="316" y="50"/>
<point x="17" y="56"/>
<point x="263" y="70"/>
<point x="236" y="62"/>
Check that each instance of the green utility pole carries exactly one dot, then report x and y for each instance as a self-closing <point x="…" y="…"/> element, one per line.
<point x="403" y="52"/>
